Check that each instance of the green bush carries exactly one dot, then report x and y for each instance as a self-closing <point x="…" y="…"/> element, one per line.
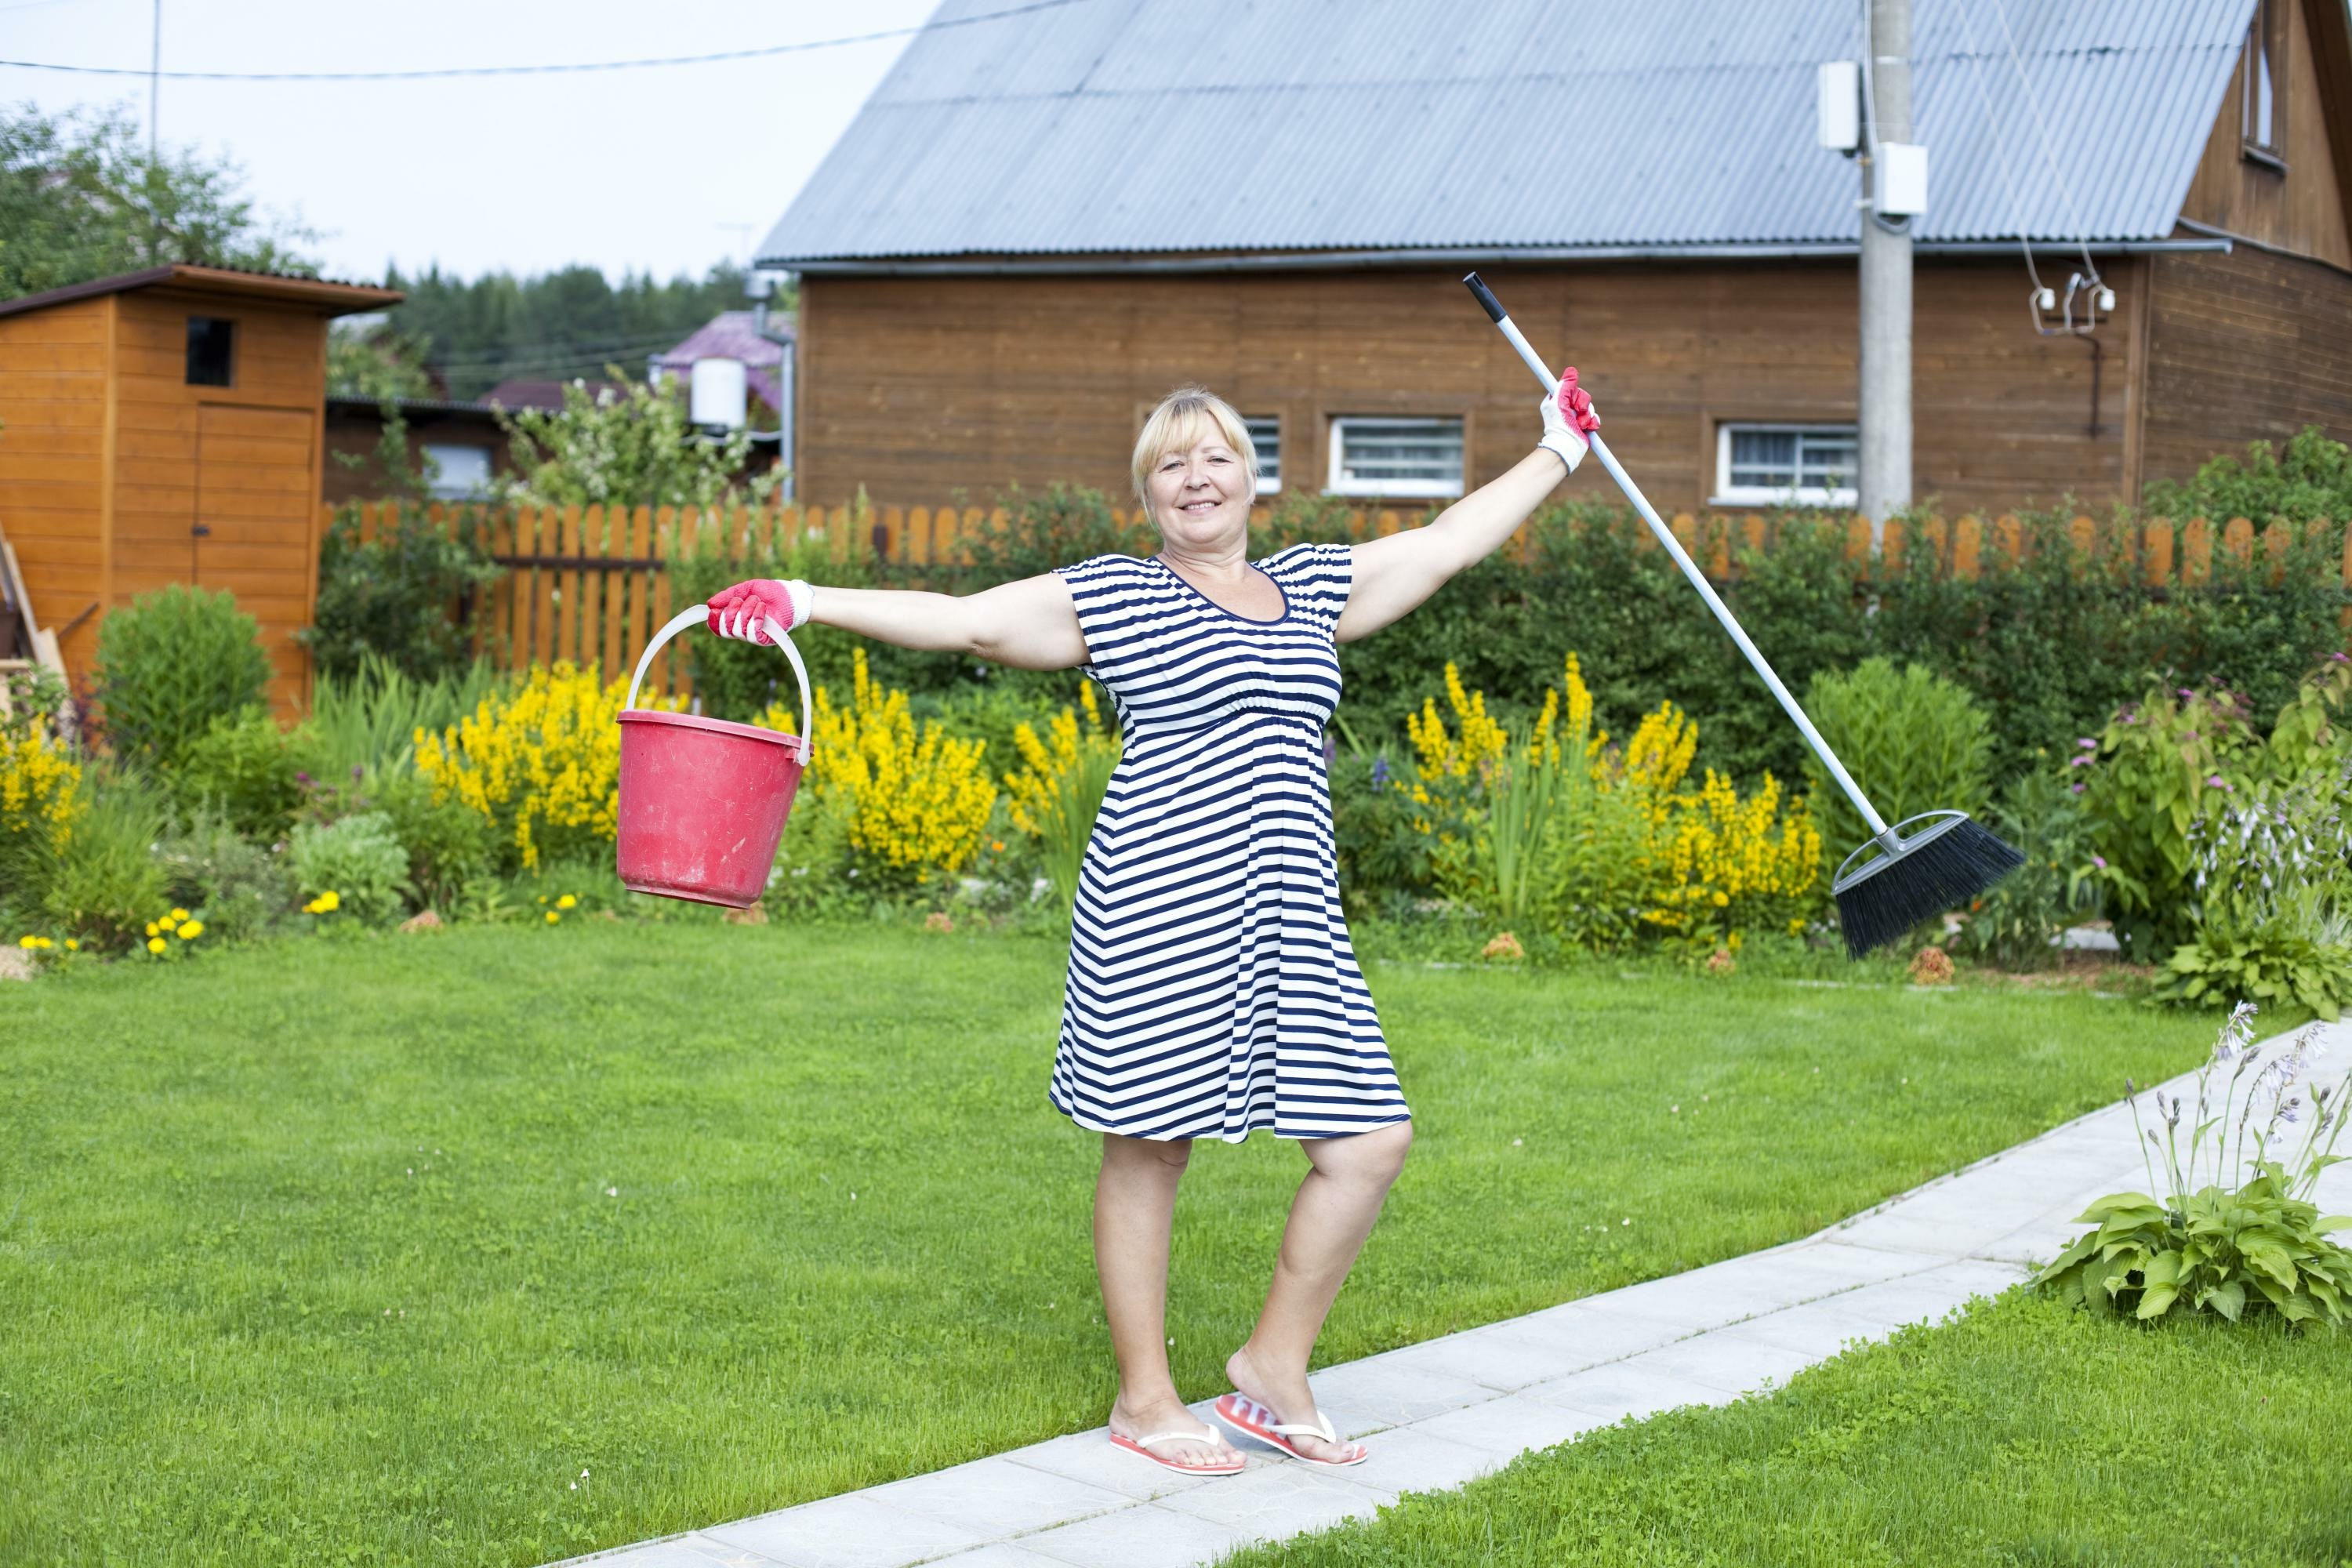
<point x="2311" y="480"/>
<point x="169" y="664"/>
<point x="735" y="679"/>
<point x="394" y="597"/>
<point x="240" y="890"/>
<point x="369" y="717"/>
<point x="1913" y="740"/>
<point x="2014" y="924"/>
<point x="249" y="770"/>
<point x="360" y="859"/>
<point x="108" y="883"/>
<point x="448" y="844"/>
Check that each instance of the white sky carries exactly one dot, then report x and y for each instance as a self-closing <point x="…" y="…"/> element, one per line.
<point x="667" y="170"/>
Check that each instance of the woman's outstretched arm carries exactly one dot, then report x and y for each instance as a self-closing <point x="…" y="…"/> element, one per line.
<point x="1394" y="576"/>
<point x="1029" y="623"/>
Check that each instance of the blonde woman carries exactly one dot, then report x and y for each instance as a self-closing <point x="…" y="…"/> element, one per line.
<point x="1212" y="988"/>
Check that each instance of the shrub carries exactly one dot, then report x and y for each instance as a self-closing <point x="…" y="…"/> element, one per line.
<point x="108" y="884"/>
<point x="1914" y="742"/>
<point x="2013" y="924"/>
<point x="394" y="595"/>
<point x="248" y="768"/>
<point x="2311" y="480"/>
<point x="1382" y="855"/>
<point x="358" y="858"/>
<point x="2240" y="1236"/>
<point x="449" y="844"/>
<point x="541" y="763"/>
<point x="630" y="445"/>
<point x="1059" y="790"/>
<point x="241" y="890"/>
<point x="169" y="664"/>
<point x="921" y="801"/>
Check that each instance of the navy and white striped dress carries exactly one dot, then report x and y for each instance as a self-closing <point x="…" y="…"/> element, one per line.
<point x="1212" y="989"/>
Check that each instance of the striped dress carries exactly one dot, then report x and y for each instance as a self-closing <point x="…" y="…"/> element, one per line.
<point x="1212" y="989"/>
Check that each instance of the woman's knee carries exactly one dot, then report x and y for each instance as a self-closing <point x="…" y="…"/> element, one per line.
<point x="1158" y="1156"/>
<point x="1367" y="1159"/>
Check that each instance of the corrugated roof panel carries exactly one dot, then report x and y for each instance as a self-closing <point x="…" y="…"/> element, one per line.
<point x="1179" y="125"/>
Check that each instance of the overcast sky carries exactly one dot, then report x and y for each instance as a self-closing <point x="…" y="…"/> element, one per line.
<point x="669" y="169"/>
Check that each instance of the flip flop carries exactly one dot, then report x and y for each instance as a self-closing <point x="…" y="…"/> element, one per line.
<point x="1143" y="1446"/>
<point x="1243" y="1413"/>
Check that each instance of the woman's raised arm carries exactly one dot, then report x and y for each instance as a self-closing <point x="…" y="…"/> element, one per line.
<point x="1394" y="576"/>
<point x="1028" y="624"/>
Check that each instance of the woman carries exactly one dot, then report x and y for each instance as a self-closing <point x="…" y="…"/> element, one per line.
<point x="1212" y="987"/>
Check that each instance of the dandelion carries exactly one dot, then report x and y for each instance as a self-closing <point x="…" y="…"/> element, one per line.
<point x="179" y="914"/>
<point x="566" y="901"/>
<point x="191" y="930"/>
<point x="27" y="942"/>
<point x="154" y="930"/>
<point x="73" y="944"/>
<point x="155" y="944"/>
<point x="552" y="917"/>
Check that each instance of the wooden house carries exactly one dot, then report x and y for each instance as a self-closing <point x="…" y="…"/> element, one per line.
<point x="1040" y="223"/>
<point x="166" y="426"/>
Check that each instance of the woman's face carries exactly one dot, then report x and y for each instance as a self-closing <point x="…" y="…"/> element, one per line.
<point x="1201" y="499"/>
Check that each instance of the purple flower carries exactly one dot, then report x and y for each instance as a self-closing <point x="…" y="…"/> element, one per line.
<point x="303" y="779"/>
<point x="2081" y="759"/>
<point x="2218" y="782"/>
<point x="2089" y="743"/>
<point x="1379" y="773"/>
<point x="2186" y="691"/>
<point x="2078" y="789"/>
<point x="2100" y="861"/>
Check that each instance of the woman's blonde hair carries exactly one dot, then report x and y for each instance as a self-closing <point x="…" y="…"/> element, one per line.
<point x="1184" y="417"/>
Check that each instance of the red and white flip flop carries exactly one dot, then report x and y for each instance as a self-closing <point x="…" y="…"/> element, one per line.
<point x="1143" y="1446"/>
<point x="1243" y="1413"/>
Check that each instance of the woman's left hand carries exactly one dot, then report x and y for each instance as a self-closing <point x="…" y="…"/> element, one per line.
<point x="1567" y="420"/>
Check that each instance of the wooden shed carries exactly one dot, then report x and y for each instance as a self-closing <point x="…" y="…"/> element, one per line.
<point x="166" y="426"/>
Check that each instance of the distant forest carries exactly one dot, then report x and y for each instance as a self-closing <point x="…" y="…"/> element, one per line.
<point x="560" y="325"/>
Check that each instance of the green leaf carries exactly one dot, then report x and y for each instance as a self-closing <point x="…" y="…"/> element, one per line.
<point x="2156" y="1301"/>
<point x="2228" y="1300"/>
<point x="2326" y="1223"/>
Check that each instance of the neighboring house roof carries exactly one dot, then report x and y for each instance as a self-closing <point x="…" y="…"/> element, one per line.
<point x="338" y="403"/>
<point x="1170" y="126"/>
<point x="334" y="298"/>
<point x="524" y="394"/>
<point x="730" y="335"/>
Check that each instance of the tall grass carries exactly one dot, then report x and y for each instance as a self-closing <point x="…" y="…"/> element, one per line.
<point x="369" y="720"/>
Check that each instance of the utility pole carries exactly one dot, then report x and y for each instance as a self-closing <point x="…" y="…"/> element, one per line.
<point x="1884" y="480"/>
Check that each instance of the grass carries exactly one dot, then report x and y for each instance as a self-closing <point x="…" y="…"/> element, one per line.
<point x="2026" y="1432"/>
<point x="322" y="1250"/>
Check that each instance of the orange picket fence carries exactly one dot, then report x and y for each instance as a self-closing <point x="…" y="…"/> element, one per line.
<point x="591" y="584"/>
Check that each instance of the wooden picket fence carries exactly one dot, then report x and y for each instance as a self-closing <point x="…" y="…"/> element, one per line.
<point x="590" y="584"/>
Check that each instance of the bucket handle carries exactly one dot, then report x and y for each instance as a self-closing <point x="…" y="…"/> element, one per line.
<point x="696" y="615"/>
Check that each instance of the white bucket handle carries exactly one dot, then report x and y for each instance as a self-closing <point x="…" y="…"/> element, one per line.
<point x="696" y="615"/>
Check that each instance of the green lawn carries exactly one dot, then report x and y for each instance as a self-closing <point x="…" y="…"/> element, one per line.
<point x="331" y="1248"/>
<point x="2025" y="1432"/>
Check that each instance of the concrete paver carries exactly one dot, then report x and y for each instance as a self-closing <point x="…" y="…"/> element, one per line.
<point x="1443" y="1411"/>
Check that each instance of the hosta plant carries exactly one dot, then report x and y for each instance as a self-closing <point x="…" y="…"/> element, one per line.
<point x="2214" y="1243"/>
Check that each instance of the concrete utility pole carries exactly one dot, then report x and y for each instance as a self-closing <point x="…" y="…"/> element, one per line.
<point x="1884" y="480"/>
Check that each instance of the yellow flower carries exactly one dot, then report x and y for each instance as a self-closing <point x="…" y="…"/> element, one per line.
<point x="552" y="917"/>
<point x="168" y="923"/>
<point x="73" y="944"/>
<point x="191" y="930"/>
<point x="28" y="943"/>
<point x="179" y="914"/>
<point x="152" y="929"/>
<point x="155" y="944"/>
<point x="566" y="901"/>
<point x="331" y="899"/>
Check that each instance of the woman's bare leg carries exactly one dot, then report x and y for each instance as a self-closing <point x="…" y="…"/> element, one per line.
<point x="1347" y="1181"/>
<point x="1135" y="1209"/>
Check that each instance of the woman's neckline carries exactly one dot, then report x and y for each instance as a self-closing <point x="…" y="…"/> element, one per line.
<point x="1246" y="620"/>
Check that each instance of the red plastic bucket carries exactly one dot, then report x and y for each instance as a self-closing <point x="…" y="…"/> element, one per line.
<point x="703" y="801"/>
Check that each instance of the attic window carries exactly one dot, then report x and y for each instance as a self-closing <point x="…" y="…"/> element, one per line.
<point x="210" y="339"/>
<point x="2261" y="124"/>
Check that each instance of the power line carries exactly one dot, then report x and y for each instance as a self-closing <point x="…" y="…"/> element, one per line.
<point x="763" y="52"/>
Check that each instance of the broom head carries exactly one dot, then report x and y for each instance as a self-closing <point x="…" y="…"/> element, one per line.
<point x="1947" y="862"/>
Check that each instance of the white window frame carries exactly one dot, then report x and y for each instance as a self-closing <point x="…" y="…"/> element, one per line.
<point x="1729" y="494"/>
<point x="442" y="486"/>
<point x="1338" y="483"/>
<point x="1269" y="479"/>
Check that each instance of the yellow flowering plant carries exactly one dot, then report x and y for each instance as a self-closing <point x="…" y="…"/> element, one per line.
<point x="1058" y="790"/>
<point x="915" y="799"/>
<point x="41" y="798"/>
<point x="542" y="762"/>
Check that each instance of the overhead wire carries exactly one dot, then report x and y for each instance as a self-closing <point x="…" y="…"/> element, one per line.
<point x="761" y="52"/>
<point x="2000" y="152"/>
<point x="2049" y="151"/>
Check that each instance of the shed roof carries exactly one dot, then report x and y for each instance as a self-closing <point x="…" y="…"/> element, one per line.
<point x="1125" y="127"/>
<point x="333" y="298"/>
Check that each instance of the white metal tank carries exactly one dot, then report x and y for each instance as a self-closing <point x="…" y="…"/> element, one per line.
<point x="718" y="393"/>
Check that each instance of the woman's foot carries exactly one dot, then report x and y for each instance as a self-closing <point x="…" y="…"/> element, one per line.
<point x="1286" y="1394"/>
<point x="1169" y="1413"/>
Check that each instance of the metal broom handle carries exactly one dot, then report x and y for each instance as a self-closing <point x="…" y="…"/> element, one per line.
<point x="1510" y="331"/>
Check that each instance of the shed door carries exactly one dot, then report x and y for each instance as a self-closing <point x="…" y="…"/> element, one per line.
<point x="255" y="497"/>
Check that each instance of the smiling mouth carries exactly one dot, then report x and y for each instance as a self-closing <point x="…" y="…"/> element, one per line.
<point x="1200" y="506"/>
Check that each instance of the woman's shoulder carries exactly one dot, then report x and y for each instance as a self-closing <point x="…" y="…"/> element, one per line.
<point x="1100" y="571"/>
<point x="1308" y="560"/>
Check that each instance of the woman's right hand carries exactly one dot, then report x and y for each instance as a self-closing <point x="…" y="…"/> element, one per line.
<point x="1568" y="421"/>
<point x="739" y="609"/>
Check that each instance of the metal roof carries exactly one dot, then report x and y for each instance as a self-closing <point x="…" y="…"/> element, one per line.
<point x="337" y="297"/>
<point x="1170" y="126"/>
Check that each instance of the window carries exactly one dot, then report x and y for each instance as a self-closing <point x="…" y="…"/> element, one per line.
<point x="1799" y="465"/>
<point x="459" y="473"/>
<point x="1389" y="456"/>
<point x="2259" y="106"/>
<point x="209" y="341"/>
<point x="1265" y="437"/>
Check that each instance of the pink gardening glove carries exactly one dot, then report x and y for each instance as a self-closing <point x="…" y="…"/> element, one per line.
<point x="1567" y="420"/>
<point x="737" y="610"/>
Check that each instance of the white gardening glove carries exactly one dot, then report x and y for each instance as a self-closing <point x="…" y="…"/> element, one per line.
<point x="1568" y="417"/>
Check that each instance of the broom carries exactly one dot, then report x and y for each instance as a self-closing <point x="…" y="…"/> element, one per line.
<point x="1948" y="860"/>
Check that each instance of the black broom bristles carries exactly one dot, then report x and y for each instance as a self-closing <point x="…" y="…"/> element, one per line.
<point x="1944" y="868"/>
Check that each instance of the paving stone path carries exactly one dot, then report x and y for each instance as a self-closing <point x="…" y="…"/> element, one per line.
<point x="1445" y="1411"/>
